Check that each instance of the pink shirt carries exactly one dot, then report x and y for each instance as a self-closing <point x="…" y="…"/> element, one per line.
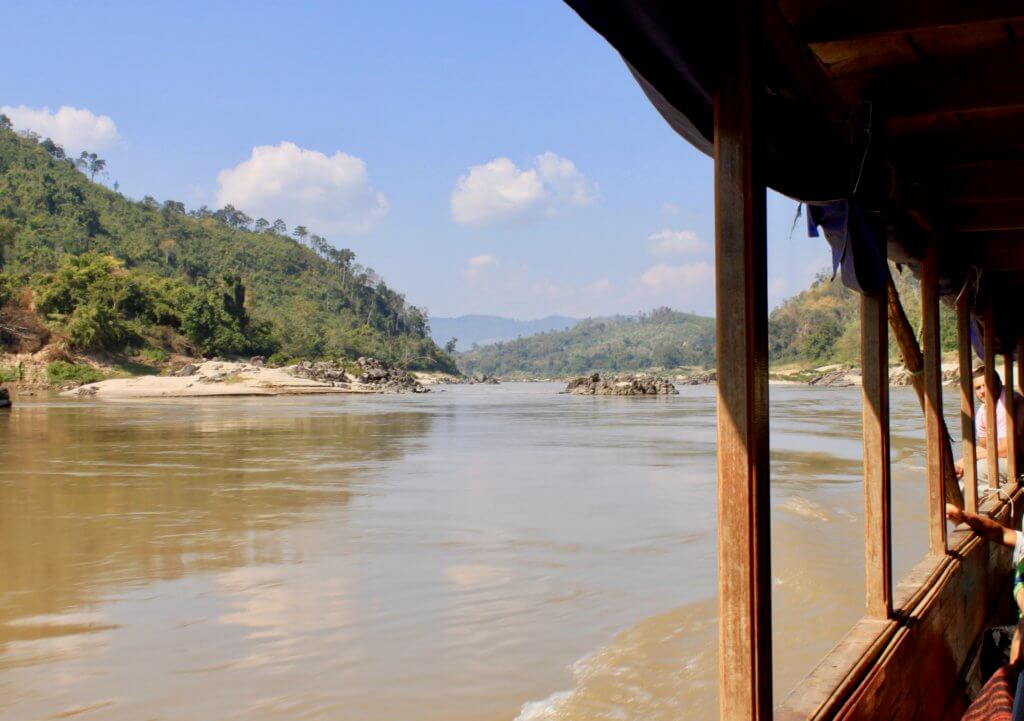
<point x="981" y="424"/>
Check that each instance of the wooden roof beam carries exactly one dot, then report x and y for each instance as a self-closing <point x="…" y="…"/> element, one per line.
<point x="865" y="53"/>
<point x="997" y="215"/>
<point x="817" y="22"/>
<point x="982" y="82"/>
<point x="1002" y="180"/>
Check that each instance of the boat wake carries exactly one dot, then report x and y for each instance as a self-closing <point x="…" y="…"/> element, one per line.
<point x="663" y="668"/>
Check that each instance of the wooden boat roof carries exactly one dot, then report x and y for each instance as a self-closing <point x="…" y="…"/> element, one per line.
<point x="914" y="107"/>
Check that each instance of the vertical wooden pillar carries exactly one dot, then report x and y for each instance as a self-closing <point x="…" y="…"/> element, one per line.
<point x="1020" y="365"/>
<point x="1011" y="425"/>
<point x="991" y="399"/>
<point x="874" y="355"/>
<point x="744" y="541"/>
<point x="963" y="325"/>
<point x="933" y="423"/>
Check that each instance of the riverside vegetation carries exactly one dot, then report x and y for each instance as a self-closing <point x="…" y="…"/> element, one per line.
<point x="85" y="269"/>
<point x="817" y="327"/>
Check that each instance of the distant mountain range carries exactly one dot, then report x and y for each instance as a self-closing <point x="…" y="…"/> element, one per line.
<point x="473" y="330"/>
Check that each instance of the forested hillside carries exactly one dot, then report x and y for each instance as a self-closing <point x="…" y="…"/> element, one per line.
<point x="822" y="324"/>
<point x="819" y="326"/>
<point x="111" y="274"/>
<point x="661" y="339"/>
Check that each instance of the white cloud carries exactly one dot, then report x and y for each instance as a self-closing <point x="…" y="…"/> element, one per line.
<point x="598" y="287"/>
<point x="677" y="280"/>
<point x="477" y="266"/>
<point x="303" y="187"/>
<point x="565" y="181"/>
<point x="667" y="242"/>
<point x="500" y="190"/>
<point x="75" y="129"/>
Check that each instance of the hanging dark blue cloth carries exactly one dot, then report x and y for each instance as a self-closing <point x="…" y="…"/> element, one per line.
<point x="857" y="246"/>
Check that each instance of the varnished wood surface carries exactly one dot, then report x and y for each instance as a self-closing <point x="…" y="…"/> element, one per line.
<point x="970" y="478"/>
<point x="744" y="545"/>
<point x="934" y="425"/>
<point x="991" y="398"/>
<point x="874" y="337"/>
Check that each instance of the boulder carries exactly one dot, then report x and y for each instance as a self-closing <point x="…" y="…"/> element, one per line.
<point x="189" y="369"/>
<point x="698" y="379"/>
<point x="625" y="385"/>
<point x="484" y="380"/>
<point x="841" y="377"/>
<point x="323" y="371"/>
<point x="5" y="398"/>
<point x="258" y="361"/>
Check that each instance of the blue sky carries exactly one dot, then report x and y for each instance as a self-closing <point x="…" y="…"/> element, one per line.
<point x="482" y="157"/>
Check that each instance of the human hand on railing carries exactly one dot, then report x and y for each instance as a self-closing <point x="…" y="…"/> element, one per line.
<point x="958" y="467"/>
<point x="956" y="515"/>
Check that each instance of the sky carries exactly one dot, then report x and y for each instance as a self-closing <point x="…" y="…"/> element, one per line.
<point x="481" y="157"/>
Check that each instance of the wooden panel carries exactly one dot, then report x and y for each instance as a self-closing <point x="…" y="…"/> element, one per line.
<point x="820" y="22"/>
<point x="930" y="140"/>
<point x="963" y="318"/>
<point x="862" y="53"/>
<point x="1011" y="433"/>
<point x="944" y="606"/>
<point x="874" y="350"/>
<point x="987" y="216"/>
<point x="993" y="79"/>
<point x="744" y="541"/>
<point x="992" y="435"/>
<point x="933" y="422"/>
<point x="979" y="181"/>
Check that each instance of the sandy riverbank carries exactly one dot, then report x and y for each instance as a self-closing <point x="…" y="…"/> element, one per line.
<point x="217" y="378"/>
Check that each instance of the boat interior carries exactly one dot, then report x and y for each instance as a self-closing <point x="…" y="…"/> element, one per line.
<point x="900" y="127"/>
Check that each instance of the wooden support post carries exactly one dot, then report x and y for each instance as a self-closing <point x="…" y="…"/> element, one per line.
<point x="963" y="324"/>
<point x="1020" y="365"/>
<point x="874" y="355"/>
<point x="1011" y="429"/>
<point x="744" y="540"/>
<point x="933" y="422"/>
<point x="991" y="400"/>
<point x="913" y="360"/>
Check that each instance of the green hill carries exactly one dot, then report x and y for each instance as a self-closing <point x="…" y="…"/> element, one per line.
<point x="822" y="324"/>
<point x="819" y="326"/>
<point x="111" y="274"/>
<point x="661" y="339"/>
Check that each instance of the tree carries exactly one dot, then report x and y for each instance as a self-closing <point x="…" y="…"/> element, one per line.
<point x="5" y="122"/>
<point x="55" y="151"/>
<point x="261" y="225"/>
<point x="449" y="347"/>
<point x="279" y="228"/>
<point x="91" y="163"/>
<point x="300" y="233"/>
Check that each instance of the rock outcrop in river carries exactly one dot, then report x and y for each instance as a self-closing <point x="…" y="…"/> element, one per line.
<point x="626" y="385"/>
<point x="380" y="376"/>
<point x="375" y="375"/>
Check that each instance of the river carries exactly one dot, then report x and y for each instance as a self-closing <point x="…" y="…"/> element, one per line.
<point x="479" y="553"/>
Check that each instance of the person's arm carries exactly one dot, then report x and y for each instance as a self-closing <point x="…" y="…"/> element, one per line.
<point x="983" y="525"/>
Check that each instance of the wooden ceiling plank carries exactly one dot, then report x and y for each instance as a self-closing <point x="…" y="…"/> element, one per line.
<point x="817" y="22"/>
<point x="851" y="56"/>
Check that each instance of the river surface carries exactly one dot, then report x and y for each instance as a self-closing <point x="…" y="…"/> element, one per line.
<point x="480" y="553"/>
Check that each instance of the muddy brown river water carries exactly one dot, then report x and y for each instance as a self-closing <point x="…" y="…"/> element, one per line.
<point x="476" y="554"/>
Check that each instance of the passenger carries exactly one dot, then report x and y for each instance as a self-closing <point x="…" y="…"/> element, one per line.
<point x="995" y="532"/>
<point x="981" y="429"/>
